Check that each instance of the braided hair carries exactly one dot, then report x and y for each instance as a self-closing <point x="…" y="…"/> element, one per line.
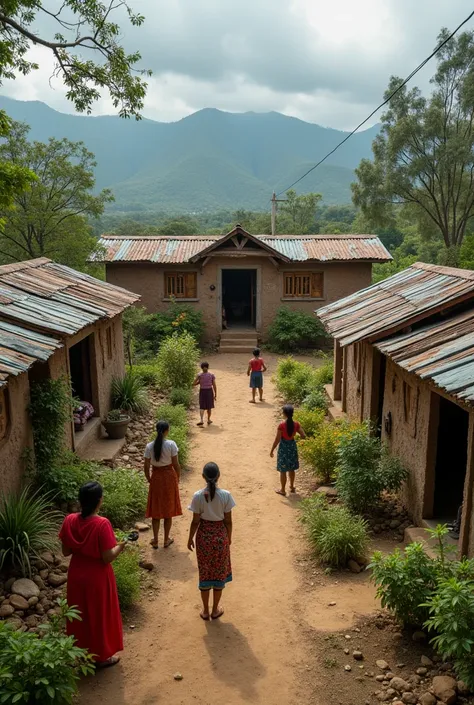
<point x="211" y="474"/>
<point x="161" y="428"/>
<point x="288" y="412"/>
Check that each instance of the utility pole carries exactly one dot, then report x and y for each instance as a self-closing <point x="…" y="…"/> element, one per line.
<point x="275" y="200"/>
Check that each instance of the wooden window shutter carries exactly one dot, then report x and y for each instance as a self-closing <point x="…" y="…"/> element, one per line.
<point x="191" y="285"/>
<point x="317" y="285"/>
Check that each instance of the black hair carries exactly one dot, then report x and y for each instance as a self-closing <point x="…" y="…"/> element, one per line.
<point x="211" y="474"/>
<point x="256" y="352"/>
<point x="288" y="411"/>
<point x="90" y="495"/>
<point x="204" y="365"/>
<point x="161" y="428"/>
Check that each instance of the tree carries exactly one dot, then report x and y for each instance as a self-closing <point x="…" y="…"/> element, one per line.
<point x="184" y="225"/>
<point x="84" y="28"/>
<point x="298" y="213"/>
<point x="13" y="177"/>
<point x="423" y="157"/>
<point x="50" y="218"/>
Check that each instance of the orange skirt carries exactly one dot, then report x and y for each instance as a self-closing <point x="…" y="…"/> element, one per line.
<point x="163" y="494"/>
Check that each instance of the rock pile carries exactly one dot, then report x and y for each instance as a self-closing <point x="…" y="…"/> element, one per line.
<point x="390" y="517"/>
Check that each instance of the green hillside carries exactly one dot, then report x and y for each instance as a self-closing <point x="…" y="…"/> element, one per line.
<point x="206" y="161"/>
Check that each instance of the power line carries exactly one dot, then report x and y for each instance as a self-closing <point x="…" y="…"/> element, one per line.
<point x="407" y="79"/>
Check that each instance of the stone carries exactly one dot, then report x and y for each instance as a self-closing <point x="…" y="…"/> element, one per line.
<point x="25" y="588"/>
<point x="39" y="581"/>
<point x="422" y="671"/>
<point x="39" y="609"/>
<point x="32" y="621"/>
<point x="444" y="687"/>
<point x="358" y="655"/>
<point x="425" y="661"/>
<point x="57" y="579"/>
<point x="133" y="449"/>
<point x="141" y="526"/>
<point x="327" y="491"/>
<point x="383" y="665"/>
<point x="125" y="458"/>
<point x="63" y="567"/>
<point x="348" y="668"/>
<point x="47" y="557"/>
<point x="353" y="566"/>
<point x="18" y="602"/>
<point x="380" y="678"/>
<point x="147" y="565"/>
<point x="331" y="604"/>
<point x="8" y="584"/>
<point x="33" y="601"/>
<point x="463" y="688"/>
<point x="15" y="623"/>
<point x="409" y="698"/>
<point x="427" y="699"/>
<point x="347" y="651"/>
<point x="395" y="523"/>
<point x="400" y="685"/>
<point x="6" y="611"/>
<point x="419" y="637"/>
<point x="178" y="677"/>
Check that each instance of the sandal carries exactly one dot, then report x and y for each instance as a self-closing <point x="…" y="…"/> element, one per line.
<point x="209" y="422"/>
<point x="219" y="614"/>
<point x="112" y="661"/>
<point x="283" y="494"/>
<point x="206" y="619"/>
<point x="154" y="544"/>
<point x="168" y="543"/>
<point x="201" y="423"/>
<point x="293" y="490"/>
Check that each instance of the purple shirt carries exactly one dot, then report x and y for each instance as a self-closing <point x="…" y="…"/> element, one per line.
<point x="206" y="379"/>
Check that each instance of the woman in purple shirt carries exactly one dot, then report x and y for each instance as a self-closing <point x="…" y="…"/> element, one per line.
<point x="207" y="392"/>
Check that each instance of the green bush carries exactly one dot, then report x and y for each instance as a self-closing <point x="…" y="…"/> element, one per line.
<point x="391" y="470"/>
<point x="146" y="373"/>
<point x="129" y="394"/>
<point x="311" y="421"/>
<point x="50" y="409"/>
<point x="64" y="480"/>
<point x="316" y="399"/>
<point x="125" y="496"/>
<point x="177" y="361"/>
<point x="174" y="415"/>
<point x="127" y="576"/>
<point x="43" y="668"/>
<point x="179" y="434"/>
<point x="27" y="528"/>
<point x="292" y="330"/>
<point x="335" y="534"/>
<point x="320" y="451"/>
<point x="180" y="396"/>
<point x="294" y="380"/>
<point x="323" y="375"/>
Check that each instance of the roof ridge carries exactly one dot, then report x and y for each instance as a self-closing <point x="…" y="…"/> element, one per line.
<point x="24" y="264"/>
<point x="448" y="271"/>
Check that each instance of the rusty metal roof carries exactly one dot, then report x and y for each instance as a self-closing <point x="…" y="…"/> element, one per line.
<point x="21" y="347"/>
<point x="442" y="352"/>
<point x="392" y="304"/>
<point x="296" y="248"/>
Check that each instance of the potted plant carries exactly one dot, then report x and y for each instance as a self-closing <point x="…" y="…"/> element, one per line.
<point x="116" y="423"/>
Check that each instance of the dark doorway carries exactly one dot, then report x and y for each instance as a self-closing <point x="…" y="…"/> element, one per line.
<point x="239" y="296"/>
<point x="451" y="460"/>
<point x="80" y="370"/>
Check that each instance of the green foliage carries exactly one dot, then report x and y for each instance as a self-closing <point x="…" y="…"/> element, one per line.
<point x="320" y="452"/>
<point x="129" y="394"/>
<point x="65" y="478"/>
<point x="391" y="470"/>
<point x="146" y="373"/>
<point x="27" y="527"/>
<point x="179" y="434"/>
<point x="310" y="420"/>
<point x="181" y="397"/>
<point x="335" y="534"/>
<point x="176" y="361"/>
<point x="292" y="330"/>
<point x="14" y="179"/>
<point x="125" y="495"/>
<point x="43" y="668"/>
<point x="294" y="380"/>
<point x="127" y="576"/>
<point x="316" y="399"/>
<point x="50" y="409"/>
<point x="175" y="415"/>
<point x="297" y="213"/>
<point x="323" y="375"/>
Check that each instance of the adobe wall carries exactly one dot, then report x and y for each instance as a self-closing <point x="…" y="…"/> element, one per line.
<point x="358" y="381"/>
<point x="19" y="435"/>
<point x="147" y="280"/>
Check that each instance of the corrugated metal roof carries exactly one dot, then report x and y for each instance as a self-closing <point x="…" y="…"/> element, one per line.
<point x="56" y="298"/>
<point x="297" y="248"/>
<point x="21" y="347"/>
<point x="442" y="352"/>
<point x="390" y="305"/>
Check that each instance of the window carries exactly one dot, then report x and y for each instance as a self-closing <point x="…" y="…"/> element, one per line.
<point x="303" y="285"/>
<point x="4" y="414"/>
<point x="181" y="285"/>
<point x="110" y="347"/>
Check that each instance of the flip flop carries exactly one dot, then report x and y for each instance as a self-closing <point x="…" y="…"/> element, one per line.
<point x="252" y="401"/>
<point x="154" y="544"/>
<point x="169" y="542"/>
<point x="201" y="423"/>
<point x="112" y="661"/>
<point x="209" y="423"/>
<point x="206" y="619"/>
<point x="219" y="614"/>
<point x="283" y="494"/>
<point x="293" y="490"/>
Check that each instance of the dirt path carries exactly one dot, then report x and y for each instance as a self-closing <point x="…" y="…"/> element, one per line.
<point x="254" y="652"/>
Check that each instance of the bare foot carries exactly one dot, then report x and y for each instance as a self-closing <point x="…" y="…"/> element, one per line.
<point x="283" y="494"/>
<point x="219" y="613"/>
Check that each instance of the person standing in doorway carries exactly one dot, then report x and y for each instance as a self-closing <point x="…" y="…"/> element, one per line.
<point x="162" y="470"/>
<point x="207" y="392"/>
<point x="255" y="370"/>
<point x="212" y="526"/>
<point x="287" y="459"/>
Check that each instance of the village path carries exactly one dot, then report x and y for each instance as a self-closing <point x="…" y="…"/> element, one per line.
<point x="254" y="653"/>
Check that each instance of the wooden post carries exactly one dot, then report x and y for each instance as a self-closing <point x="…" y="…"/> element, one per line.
<point x="337" y="381"/>
<point x="274" y="211"/>
<point x="465" y="539"/>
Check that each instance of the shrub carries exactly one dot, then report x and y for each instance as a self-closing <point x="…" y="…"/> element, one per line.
<point x="127" y="576"/>
<point x="316" y="399"/>
<point x="179" y="434"/>
<point x="294" y="380"/>
<point x="125" y="496"/>
<point x="63" y="480"/>
<point x="321" y="451"/>
<point x="405" y="582"/>
<point x="50" y="409"/>
<point x="128" y="393"/>
<point x="27" y="528"/>
<point x="323" y="374"/>
<point x="336" y="535"/>
<point x="292" y="330"/>
<point x="146" y="373"/>
<point x="176" y="361"/>
<point x="41" y="669"/>
<point x="311" y="421"/>
<point x="392" y="471"/>
<point x="181" y="397"/>
<point x="174" y="415"/>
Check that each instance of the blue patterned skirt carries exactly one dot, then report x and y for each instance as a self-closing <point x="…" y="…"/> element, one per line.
<point x="256" y="380"/>
<point x="287" y="459"/>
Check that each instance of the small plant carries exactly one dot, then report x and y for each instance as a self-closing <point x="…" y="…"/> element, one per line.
<point x="292" y="330"/>
<point x="127" y="576"/>
<point x="174" y="415"/>
<point x="335" y="534"/>
<point x="27" y="528"/>
<point x="42" y="669"/>
<point x="391" y="470"/>
<point x="311" y="421"/>
<point x="129" y="394"/>
<point x="316" y="399"/>
<point x="125" y="496"/>
<point x="330" y="662"/>
<point x="294" y="380"/>
<point x="62" y="481"/>
<point x="116" y="415"/>
<point x="50" y="409"/>
<point x="320" y="451"/>
<point x="179" y="435"/>
<point x="176" y="361"/>
<point x="181" y="396"/>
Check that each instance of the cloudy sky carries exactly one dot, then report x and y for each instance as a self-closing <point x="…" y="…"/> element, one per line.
<point x="324" y="61"/>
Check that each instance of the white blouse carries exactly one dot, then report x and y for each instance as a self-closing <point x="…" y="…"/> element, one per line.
<point x="169" y="450"/>
<point x="222" y="503"/>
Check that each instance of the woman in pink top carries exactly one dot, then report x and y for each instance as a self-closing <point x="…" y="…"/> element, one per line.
<point x="255" y="371"/>
<point x="287" y="459"/>
<point x="207" y="392"/>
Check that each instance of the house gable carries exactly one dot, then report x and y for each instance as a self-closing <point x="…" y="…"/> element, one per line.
<point x="238" y="242"/>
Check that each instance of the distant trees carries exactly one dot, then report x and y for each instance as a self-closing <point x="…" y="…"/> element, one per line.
<point x="297" y="213"/>
<point x="423" y="158"/>
<point x="50" y="218"/>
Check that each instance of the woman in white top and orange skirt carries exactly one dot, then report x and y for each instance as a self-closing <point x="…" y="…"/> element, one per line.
<point x="212" y="522"/>
<point x="162" y="470"/>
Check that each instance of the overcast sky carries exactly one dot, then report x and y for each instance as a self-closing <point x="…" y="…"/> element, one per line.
<point x="324" y="61"/>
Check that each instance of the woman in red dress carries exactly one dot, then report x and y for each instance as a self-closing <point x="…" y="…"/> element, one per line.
<point x="91" y="586"/>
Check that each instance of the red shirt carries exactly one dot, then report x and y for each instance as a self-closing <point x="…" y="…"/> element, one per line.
<point x="256" y="364"/>
<point x="284" y="432"/>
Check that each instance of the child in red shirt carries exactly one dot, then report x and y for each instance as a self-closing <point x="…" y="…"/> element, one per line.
<point x="255" y="371"/>
<point x="288" y="462"/>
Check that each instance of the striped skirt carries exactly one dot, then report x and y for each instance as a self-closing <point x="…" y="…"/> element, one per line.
<point x="213" y="555"/>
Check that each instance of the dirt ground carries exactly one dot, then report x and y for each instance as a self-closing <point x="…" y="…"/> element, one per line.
<point x="270" y="646"/>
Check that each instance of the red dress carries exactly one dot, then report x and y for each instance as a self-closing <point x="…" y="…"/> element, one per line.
<point x="91" y="585"/>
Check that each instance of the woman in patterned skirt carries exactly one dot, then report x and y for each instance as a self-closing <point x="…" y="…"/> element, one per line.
<point x="212" y="522"/>
<point x="162" y="470"/>
<point x="287" y="459"/>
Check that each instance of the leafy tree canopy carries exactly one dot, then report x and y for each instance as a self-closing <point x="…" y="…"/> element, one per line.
<point x="298" y="213"/>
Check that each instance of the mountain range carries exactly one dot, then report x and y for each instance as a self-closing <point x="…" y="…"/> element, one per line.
<point x="206" y="161"/>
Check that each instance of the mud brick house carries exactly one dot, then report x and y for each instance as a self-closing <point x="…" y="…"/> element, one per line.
<point x="404" y="357"/>
<point x="250" y="276"/>
<point x="54" y="322"/>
